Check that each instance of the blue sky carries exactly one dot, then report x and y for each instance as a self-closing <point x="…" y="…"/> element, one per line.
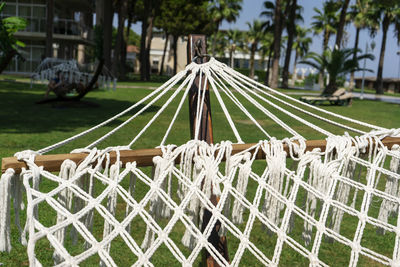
<point x="251" y="10"/>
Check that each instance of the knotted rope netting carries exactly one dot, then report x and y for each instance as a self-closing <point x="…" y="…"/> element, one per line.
<point x="293" y="202"/>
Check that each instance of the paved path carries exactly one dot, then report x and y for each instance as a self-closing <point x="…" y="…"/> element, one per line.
<point x="383" y="98"/>
<point x="137" y="87"/>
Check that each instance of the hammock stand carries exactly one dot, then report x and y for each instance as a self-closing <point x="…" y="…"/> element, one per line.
<point x="144" y="157"/>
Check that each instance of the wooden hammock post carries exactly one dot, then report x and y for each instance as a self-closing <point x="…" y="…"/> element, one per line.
<point x="197" y="49"/>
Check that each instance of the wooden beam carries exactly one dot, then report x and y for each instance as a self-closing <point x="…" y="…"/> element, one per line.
<point x="144" y="157"/>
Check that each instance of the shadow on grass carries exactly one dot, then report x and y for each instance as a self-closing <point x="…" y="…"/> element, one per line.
<point x="20" y="114"/>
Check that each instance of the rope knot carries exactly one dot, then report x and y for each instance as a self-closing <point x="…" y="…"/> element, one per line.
<point x="26" y="155"/>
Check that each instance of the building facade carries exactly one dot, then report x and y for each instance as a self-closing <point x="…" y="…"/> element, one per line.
<point x="241" y="59"/>
<point x="390" y="85"/>
<point x="72" y="30"/>
<point x="157" y="51"/>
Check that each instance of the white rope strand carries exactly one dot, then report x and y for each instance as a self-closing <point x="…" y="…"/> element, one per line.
<point x="130" y="119"/>
<point x="176" y="113"/>
<point x="171" y="82"/>
<point x="233" y="98"/>
<point x="192" y="76"/>
<point x="262" y="108"/>
<point x="313" y="126"/>
<point x="199" y="108"/>
<point x="303" y="103"/>
<point x="221" y="102"/>
<point x="298" y="108"/>
<point x="200" y="105"/>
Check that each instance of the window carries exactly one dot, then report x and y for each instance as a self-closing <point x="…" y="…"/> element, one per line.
<point x="32" y="52"/>
<point x="39" y="12"/>
<point x="34" y="13"/>
<point x="37" y="53"/>
<point x="9" y="10"/>
<point x="24" y="11"/>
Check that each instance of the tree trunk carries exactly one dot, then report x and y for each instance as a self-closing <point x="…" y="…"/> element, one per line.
<point x="331" y="87"/>
<point x="354" y="58"/>
<point x="253" y="52"/>
<point x="342" y="22"/>
<point x="107" y="38"/>
<point x="266" y="82"/>
<point x="142" y="55"/>
<point x="174" y="46"/>
<point x="278" y="20"/>
<point x="213" y="45"/>
<point x="145" y="42"/>
<point x="149" y="37"/>
<point x="325" y="43"/>
<point x="128" y="30"/>
<point x="117" y="65"/>
<point x="214" y="41"/>
<point x="231" y="57"/>
<point x="7" y="59"/>
<point x="49" y="28"/>
<point x="291" y="29"/>
<point x="128" y="27"/>
<point x="164" y="52"/>
<point x="379" y="79"/>
<point x="294" y="76"/>
<point x="122" y="57"/>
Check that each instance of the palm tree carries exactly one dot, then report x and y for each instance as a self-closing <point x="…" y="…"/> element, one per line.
<point x="326" y="21"/>
<point x="106" y="23"/>
<point x="118" y="66"/>
<point x="147" y="12"/>
<point x="337" y="63"/>
<point x="234" y="41"/>
<point x="219" y="41"/>
<point x="254" y="35"/>
<point x="278" y="28"/>
<point x="224" y="10"/>
<point x="268" y="27"/>
<point x="266" y="50"/>
<point x="342" y="21"/>
<point x="301" y="47"/>
<point x="389" y="13"/>
<point x="293" y="17"/>
<point x="362" y="17"/>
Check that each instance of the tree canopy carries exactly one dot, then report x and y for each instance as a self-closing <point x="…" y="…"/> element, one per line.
<point x="9" y="45"/>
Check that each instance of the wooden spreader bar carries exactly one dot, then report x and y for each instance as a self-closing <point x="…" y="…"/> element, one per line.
<point x="144" y="157"/>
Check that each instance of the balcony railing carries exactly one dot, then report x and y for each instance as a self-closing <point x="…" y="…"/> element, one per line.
<point x="68" y="27"/>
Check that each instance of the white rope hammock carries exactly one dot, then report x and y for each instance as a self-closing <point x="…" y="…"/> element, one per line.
<point x="301" y="200"/>
<point x="72" y="73"/>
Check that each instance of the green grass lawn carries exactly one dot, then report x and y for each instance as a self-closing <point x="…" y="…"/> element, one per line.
<point x="26" y="125"/>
